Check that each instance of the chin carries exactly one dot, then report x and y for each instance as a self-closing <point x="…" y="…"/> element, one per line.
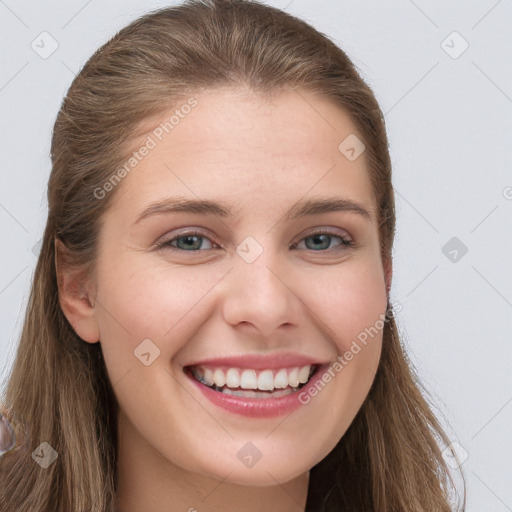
<point x="274" y="471"/>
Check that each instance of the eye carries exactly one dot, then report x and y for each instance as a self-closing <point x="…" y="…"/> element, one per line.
<point x="192" y="241"/>
<point x="189" y="241"/>
<point x="321" y="241"/>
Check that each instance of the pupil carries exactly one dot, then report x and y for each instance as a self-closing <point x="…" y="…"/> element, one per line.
<point x="189" y="240"/>
<point x="318" y="240"/>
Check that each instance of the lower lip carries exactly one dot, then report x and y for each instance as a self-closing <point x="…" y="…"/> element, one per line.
<point x="258" y="407"/>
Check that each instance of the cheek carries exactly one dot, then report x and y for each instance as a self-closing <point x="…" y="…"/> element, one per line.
<point x="139" y="302"/>
<point x="351" y="304"/>
<point x="350" y="300"/>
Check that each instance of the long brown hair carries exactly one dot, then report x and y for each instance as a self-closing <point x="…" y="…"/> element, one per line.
<point x="390" y="458"/>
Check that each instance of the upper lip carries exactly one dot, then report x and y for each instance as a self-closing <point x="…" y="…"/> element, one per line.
<point x="259" y="361"/>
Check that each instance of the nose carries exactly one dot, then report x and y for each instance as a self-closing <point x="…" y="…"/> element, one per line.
<point x="261" y="297"/>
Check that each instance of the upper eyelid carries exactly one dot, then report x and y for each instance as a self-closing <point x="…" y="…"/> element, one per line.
<point x="316" y="230"/>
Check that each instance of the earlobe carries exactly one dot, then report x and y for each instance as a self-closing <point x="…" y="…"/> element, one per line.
<point x="74" y="299"/>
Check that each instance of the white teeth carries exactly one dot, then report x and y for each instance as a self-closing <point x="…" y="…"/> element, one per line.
<point x="281" y="379"/>
<point x="304" y="374"/>
<point x="264" y="380"/>
<point x="232" y="378"/>
<point x="219" y="378"/>
<point x="248" y="380"/>
<point x="208" y="376"/>
<point x="293" y="378"/>
<point x="257" y="394"/>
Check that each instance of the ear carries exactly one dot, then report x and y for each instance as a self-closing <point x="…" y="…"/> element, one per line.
<point x="74" y="298"/>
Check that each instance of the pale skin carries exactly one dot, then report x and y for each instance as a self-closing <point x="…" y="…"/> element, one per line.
<point x="177" y="450"/>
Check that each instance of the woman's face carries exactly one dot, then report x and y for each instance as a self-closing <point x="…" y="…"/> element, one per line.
<point x="247" y="287"/>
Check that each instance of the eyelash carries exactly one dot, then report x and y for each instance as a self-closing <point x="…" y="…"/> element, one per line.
<point x="345" y="242"/>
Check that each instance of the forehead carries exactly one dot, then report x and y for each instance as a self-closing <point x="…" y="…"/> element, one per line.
<point x="239" y="144"/>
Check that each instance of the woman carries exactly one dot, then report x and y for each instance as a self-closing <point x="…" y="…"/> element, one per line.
<point x="209" y="326"/>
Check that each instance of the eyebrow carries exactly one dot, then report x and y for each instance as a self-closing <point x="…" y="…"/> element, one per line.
<point x="222" y="209"/>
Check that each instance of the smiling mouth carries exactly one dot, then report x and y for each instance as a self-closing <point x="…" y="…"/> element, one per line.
<point x="250" y="383"/>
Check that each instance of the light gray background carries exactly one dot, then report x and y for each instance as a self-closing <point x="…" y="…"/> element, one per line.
<point x="450" y="126"/>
